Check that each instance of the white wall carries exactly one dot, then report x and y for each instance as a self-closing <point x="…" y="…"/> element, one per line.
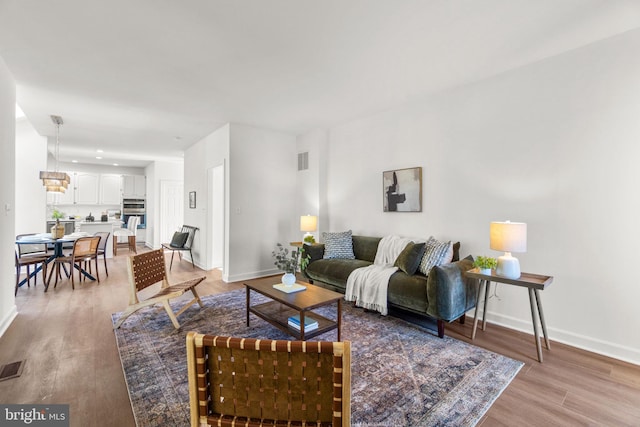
<point x="8" y="309"/>
<point x="31" y="197"/>
<point x="310" y="182"/>
<point x="553" y="144"/>
<point x="260" y="167"/>
<point x="211" y="151"/>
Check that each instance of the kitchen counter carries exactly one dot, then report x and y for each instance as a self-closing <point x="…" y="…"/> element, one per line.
<point x="111" y="221"/>
<point x="92" y="227"/>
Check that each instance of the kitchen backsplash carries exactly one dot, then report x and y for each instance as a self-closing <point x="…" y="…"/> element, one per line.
<point x="82" y="211"/>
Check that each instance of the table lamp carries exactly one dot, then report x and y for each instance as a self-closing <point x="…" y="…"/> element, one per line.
<point x="508" y="237"/>
<point x="308" y="223"/>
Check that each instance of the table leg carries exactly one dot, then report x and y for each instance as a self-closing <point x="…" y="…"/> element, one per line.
<point x="475" y="316"/>
<point x="302" y="325"/>
<point x="486" y="299"/>
<point x="534" y="320"/>
<point x="542" y="322"/>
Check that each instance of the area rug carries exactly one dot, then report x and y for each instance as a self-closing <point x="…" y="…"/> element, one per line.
<point x="402" y="375"/>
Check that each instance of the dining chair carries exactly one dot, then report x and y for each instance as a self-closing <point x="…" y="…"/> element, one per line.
<point x="102" y="248"/>
<point x="30" y="254"/>
<point x="130" y="233"/>
<point x="181" y="241"/>
<point x="84" y="250"/>
<point x="261" y="382"/>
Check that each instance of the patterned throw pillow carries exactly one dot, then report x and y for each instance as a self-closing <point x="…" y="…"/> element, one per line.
<point x="436" y="253"/>
<point x="338" y="245"/>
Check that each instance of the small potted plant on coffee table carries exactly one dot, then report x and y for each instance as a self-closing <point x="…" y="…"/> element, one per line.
<point x="288" y="261"/>
<point x="485" y="264"/>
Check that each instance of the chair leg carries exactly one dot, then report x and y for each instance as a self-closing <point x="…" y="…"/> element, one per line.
<point x="132" y="244"/>
<point x="171" y="263"/>
<point x="17" y="280"/>
<point x="192" y="262"/>
<point x="172" y="316"/>
<point x="104" y="256"/>
<point x="95" y="260"/>
<point x="115" y="245"/>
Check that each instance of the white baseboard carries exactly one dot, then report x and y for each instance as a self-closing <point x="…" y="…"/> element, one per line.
<point x="605" y="348"/>
<point x="6" y="321"/>
<point x="251" y="275"/>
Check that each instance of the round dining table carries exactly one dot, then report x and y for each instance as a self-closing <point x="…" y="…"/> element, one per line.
<point x="58" y="251"/>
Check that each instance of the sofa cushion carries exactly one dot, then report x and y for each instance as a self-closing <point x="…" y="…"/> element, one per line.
<point x="408" y="292"/>
<point x="334" y="271"/>
<point x="365" y="248"/>
<point x="436" y="253"/>
<point x="338" y="245"/>
<point x="410" y="258"/>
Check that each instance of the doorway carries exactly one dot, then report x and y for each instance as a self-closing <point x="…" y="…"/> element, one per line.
<point x="171" y="209"/>
<point x="216" y="209"/>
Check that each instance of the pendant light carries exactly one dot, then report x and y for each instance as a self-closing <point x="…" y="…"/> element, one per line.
<point x="55" y="182"/>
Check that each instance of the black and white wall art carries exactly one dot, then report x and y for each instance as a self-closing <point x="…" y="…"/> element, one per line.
<point x="402" y="190"/>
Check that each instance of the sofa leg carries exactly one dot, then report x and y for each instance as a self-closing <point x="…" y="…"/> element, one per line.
<point x="462" y="318"/>
<point x="440" y="328"/>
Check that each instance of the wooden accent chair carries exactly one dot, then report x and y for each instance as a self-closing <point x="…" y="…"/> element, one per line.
<point x="259" y="382"/>
<point x="184" y="245"/>
<point x="147" y="269"/>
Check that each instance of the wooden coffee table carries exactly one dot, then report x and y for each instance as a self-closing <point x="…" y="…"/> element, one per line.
<point x="284" y="305"/>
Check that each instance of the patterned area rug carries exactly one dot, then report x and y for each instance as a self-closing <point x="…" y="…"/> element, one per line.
<point x="401" y="374"/>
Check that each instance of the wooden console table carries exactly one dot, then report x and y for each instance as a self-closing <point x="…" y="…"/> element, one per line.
<point x="533" y="282"/>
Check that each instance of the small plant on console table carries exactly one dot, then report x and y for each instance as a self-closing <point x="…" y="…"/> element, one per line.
<point x="288" y="261"/>
<point x="485" y="264"/>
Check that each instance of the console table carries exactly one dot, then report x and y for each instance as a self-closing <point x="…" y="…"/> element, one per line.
<point x="533" y="282"/>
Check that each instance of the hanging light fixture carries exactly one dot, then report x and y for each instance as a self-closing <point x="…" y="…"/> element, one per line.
<point x="55" y="182"/>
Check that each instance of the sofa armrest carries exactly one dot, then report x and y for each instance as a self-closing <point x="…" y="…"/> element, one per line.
<point x="450" y="293"/>
<point x="315" y="251"/>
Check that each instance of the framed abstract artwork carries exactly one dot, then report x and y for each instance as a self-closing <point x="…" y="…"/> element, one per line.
<point x="402" y="190"/>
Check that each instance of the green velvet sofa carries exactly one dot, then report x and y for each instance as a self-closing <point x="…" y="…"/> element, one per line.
<point x="445" y="295"/>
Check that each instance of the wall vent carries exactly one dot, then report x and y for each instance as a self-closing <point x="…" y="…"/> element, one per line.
<point x="303" y="161"/>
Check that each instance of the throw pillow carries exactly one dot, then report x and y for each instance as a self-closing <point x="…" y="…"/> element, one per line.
<point x="338" y="245"/>
<point x="435" y="253"/>
<point x="410" y="258"/>
<point x="179" y="239"/>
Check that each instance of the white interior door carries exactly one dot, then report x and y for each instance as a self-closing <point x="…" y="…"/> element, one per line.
<point x="171" y="209"/>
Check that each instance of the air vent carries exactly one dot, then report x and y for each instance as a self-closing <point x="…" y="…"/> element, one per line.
<point x="11" y="370"/>
<point x="303" y="161"/>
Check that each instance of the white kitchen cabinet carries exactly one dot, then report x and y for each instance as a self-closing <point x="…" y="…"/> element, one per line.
<point x="134" y="186"/>
<point x="110" y="189"/>
<point x="87" y="188"/>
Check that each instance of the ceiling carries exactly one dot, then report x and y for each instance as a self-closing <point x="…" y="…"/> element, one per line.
<point x="142" y="80"/>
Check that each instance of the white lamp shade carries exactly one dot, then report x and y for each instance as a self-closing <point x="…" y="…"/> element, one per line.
<point x="508" y="236"/>
<point x="308" y="223"/>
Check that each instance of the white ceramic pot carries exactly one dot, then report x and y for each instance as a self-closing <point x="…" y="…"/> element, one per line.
<point x="288" y="279"/>
<point x="486" y="271"/>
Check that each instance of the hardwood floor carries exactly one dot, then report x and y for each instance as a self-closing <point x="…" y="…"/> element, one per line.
<point x="71" y="357"/>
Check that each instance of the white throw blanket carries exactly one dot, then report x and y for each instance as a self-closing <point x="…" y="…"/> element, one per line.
<point x="368" y="286"/>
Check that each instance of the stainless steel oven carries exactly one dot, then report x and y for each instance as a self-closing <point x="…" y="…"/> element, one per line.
<point x="134" y="207"/>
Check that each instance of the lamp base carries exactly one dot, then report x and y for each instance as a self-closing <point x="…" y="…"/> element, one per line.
<point x="508" y="266"/>
<point x="308" y="238"/>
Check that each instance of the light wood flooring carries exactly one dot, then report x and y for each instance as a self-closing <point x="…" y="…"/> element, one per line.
<point x="67" y="340"/>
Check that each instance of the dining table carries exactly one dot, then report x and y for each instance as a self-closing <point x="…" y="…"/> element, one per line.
<point x="58" y="251"/>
